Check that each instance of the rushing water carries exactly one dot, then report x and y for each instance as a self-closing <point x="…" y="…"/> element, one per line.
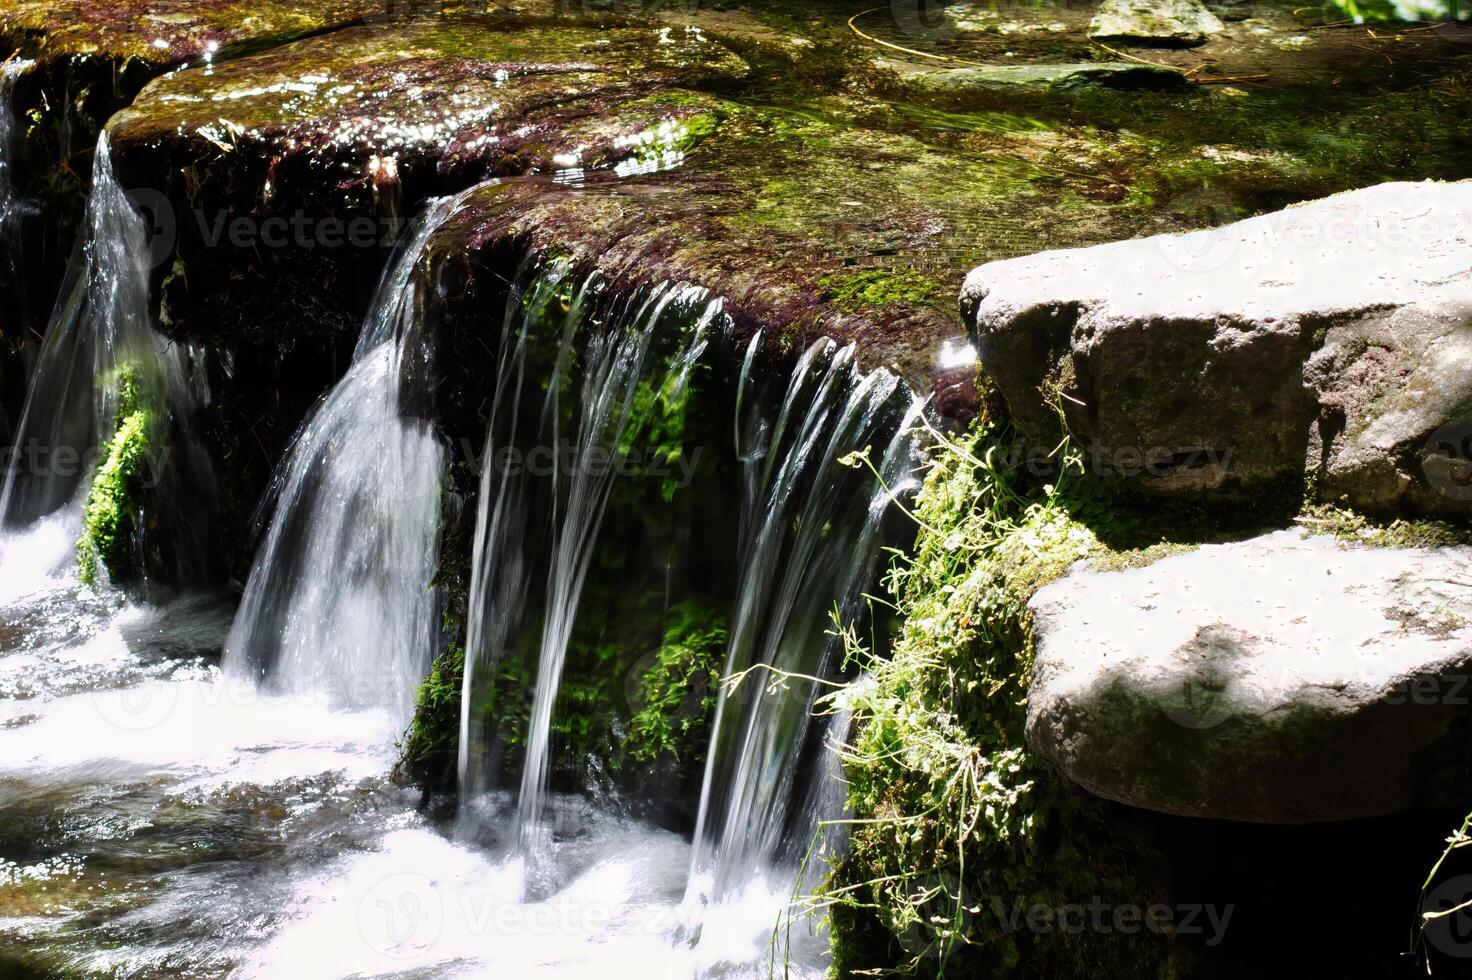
<point x="12" y="207"/>
<point x="810" y="520"/>
<point x="101" y="352"/>
<point x="573" y="495"/>
<point x="807" y="551"/>
<point x="339" y="604"/>
<point x="192" y="789"/>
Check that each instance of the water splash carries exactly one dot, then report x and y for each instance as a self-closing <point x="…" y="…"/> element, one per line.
<point x="810" y="536"/>
<point x="102" y="356"/>
<point x="538" y="528"/>
<point x="339" y="605"/>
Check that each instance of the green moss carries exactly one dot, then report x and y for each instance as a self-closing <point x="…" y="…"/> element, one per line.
<point x="857" y="290"/>
<point x="677" y="695"/>
<point x="112" y="500"/>
<point x="961" y="821"/>
<point x="1393" y="533"/>
<point x="433" y="734"/>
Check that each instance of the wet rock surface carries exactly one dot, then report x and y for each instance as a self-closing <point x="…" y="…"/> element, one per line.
<point x="1330" y="338"/>
<point x="791" y="220"/>
<point x="294" y="169"/>
<point x="1283" y="679"/>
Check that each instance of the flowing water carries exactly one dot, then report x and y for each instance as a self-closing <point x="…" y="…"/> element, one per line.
<point x="12" y="206"/>
<point x="102" y="359"/>
<point x="810" y="521"/>
<point x="572" y="493"/>
<point x="807" y="552"/>
<point x="339" y="604"/>
<point x="193" y="789"/>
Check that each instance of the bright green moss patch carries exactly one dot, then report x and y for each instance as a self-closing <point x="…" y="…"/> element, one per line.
<point x="854" y="291"/>
<point x="112" y="501"/>
<point x="435" y="730"/>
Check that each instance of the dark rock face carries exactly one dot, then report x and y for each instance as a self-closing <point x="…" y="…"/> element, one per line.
<point x="1279" y="680"/>
<point x="1331" y="338"/>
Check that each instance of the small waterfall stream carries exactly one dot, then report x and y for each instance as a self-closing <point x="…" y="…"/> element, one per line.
<point x="810" y="524"/>
<point x="809" y="527"/>
<point x="339" y="605"/>
<point x="103" y="366"/>
<point x="537" y="521"/>
<point x="12" y="207"/>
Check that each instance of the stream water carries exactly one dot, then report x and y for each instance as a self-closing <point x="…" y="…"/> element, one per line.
<point x="192" y="788"/>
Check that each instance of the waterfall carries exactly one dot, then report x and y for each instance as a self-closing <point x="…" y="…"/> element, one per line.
<point x="538" y="525"/>
<point x="570" y="362"/>
<point x="12" y="207"/>
<point x="810" y="536"/>
<point x="339" y="604"/>
<point x="103" y="366"/>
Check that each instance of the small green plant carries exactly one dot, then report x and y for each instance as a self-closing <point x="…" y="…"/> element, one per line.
<point x="677" y="695"/>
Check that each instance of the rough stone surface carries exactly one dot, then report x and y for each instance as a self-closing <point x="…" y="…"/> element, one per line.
<point x="764" y="213"/>
<point x="1285" y="679"/>
<point x="1168" y="23"/>
<point x="1013" y="78"/>
<point x="362" y="125"/>
<point x="1333" y="338"/>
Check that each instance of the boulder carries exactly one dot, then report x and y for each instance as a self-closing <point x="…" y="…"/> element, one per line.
<point x="1285" y="679"/>
<point x="1332" y="338"/>
<point x="1163" y="23"/>
<point x="1048" y="78"/>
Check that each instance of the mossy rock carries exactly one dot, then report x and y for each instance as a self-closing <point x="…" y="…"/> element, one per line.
<point x="109" y="516"/>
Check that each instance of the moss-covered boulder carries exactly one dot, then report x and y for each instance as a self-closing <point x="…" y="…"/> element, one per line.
<point x="289" y="172"/>
<point x="806" y="228"/>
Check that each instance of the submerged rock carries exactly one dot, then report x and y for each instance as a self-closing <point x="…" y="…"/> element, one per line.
<point x="1048" y="78"/>
<point x="1333" y="338"/>
<point x="1284" y="679"/>
<point x="1167" y="23"/>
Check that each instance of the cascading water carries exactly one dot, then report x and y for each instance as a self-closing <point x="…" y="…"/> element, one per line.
<point x="105" y="374"/>
<point x="339" y="604"/>
<point x="11" y="206"/>
<point x="810" y="524"/>
<point x="559" y="511"/>
<point x="810" y="528"/>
